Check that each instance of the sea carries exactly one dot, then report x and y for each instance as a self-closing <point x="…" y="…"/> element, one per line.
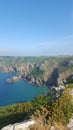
<point x="19" y="91"/>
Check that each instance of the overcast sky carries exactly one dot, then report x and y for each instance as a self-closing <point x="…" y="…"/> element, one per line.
<point x="36" y="27"/>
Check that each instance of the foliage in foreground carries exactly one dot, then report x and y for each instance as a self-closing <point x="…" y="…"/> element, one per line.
<point x="59" y="111"/>
<point x="21" y="111"/>
<point x="39" y="108"/>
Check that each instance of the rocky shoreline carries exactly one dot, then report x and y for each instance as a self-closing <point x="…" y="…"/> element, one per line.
<point x="31" y="79"/>
<point x="28" y="78"/>
<point x="13" y="79"/>
<point x="24" y="75"/>
<point x="37" y="80"/>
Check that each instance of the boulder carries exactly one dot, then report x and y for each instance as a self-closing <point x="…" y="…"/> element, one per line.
<point x="13" y="79"/>
<point x="9" y="127"/>
<point x="20" y="126"/>
<point x="52" y="128"/>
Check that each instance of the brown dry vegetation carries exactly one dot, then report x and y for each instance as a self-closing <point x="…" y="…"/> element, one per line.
<point x="56" y="115"/>
<point x="56" y="126"/>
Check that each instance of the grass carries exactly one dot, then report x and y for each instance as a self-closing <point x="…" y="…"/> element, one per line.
<point x="39" y="108"/>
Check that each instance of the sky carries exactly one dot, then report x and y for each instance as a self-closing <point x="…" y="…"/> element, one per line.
<point x="36" y="27"/>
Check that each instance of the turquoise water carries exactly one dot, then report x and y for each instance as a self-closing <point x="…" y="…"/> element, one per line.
<point x="19" y="91"/>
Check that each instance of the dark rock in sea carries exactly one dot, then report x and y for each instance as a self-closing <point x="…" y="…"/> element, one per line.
<point x="13" y="79"/>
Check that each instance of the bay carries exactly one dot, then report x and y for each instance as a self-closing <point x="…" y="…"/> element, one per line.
<point x="19" y="91"/>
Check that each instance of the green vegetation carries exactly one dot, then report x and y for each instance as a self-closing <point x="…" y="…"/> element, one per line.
<point x="21" y="111"/>
<point x="10" y="60"/>
<point x="70" y="85"/>
<point x="64" y="65"/>
<point x="58" y="111"/>
<point x="70" y="81"/>
<point x="37" y="72"/>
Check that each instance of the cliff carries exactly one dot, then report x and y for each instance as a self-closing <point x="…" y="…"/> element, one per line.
<point x="50" y="71"/>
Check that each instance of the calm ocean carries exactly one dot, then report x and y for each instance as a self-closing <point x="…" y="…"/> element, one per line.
<point x="17" y="92"/>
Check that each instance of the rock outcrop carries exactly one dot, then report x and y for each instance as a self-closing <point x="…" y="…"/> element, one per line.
<point x="13" y="79"/>
<point x="53" y="79"/>
<point x="16" y="68"/>
<point x="5" y="69"/>
<point x="70" y="124"/>
<point x="20" y="126"/>
<point x="33" y="80"/>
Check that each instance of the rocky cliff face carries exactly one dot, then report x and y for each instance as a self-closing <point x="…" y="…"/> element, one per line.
<point x="5" y="69"/>
<point x="50" y="76"/>
<point x="53" y="79"/>
<point x="33" y="80"/>
<point x="15" y="68"/>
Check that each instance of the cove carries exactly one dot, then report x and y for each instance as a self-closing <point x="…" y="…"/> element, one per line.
<point x="19" y="91"/>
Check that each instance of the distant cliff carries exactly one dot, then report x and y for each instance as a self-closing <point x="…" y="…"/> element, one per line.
<point x="50" y="71"/>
